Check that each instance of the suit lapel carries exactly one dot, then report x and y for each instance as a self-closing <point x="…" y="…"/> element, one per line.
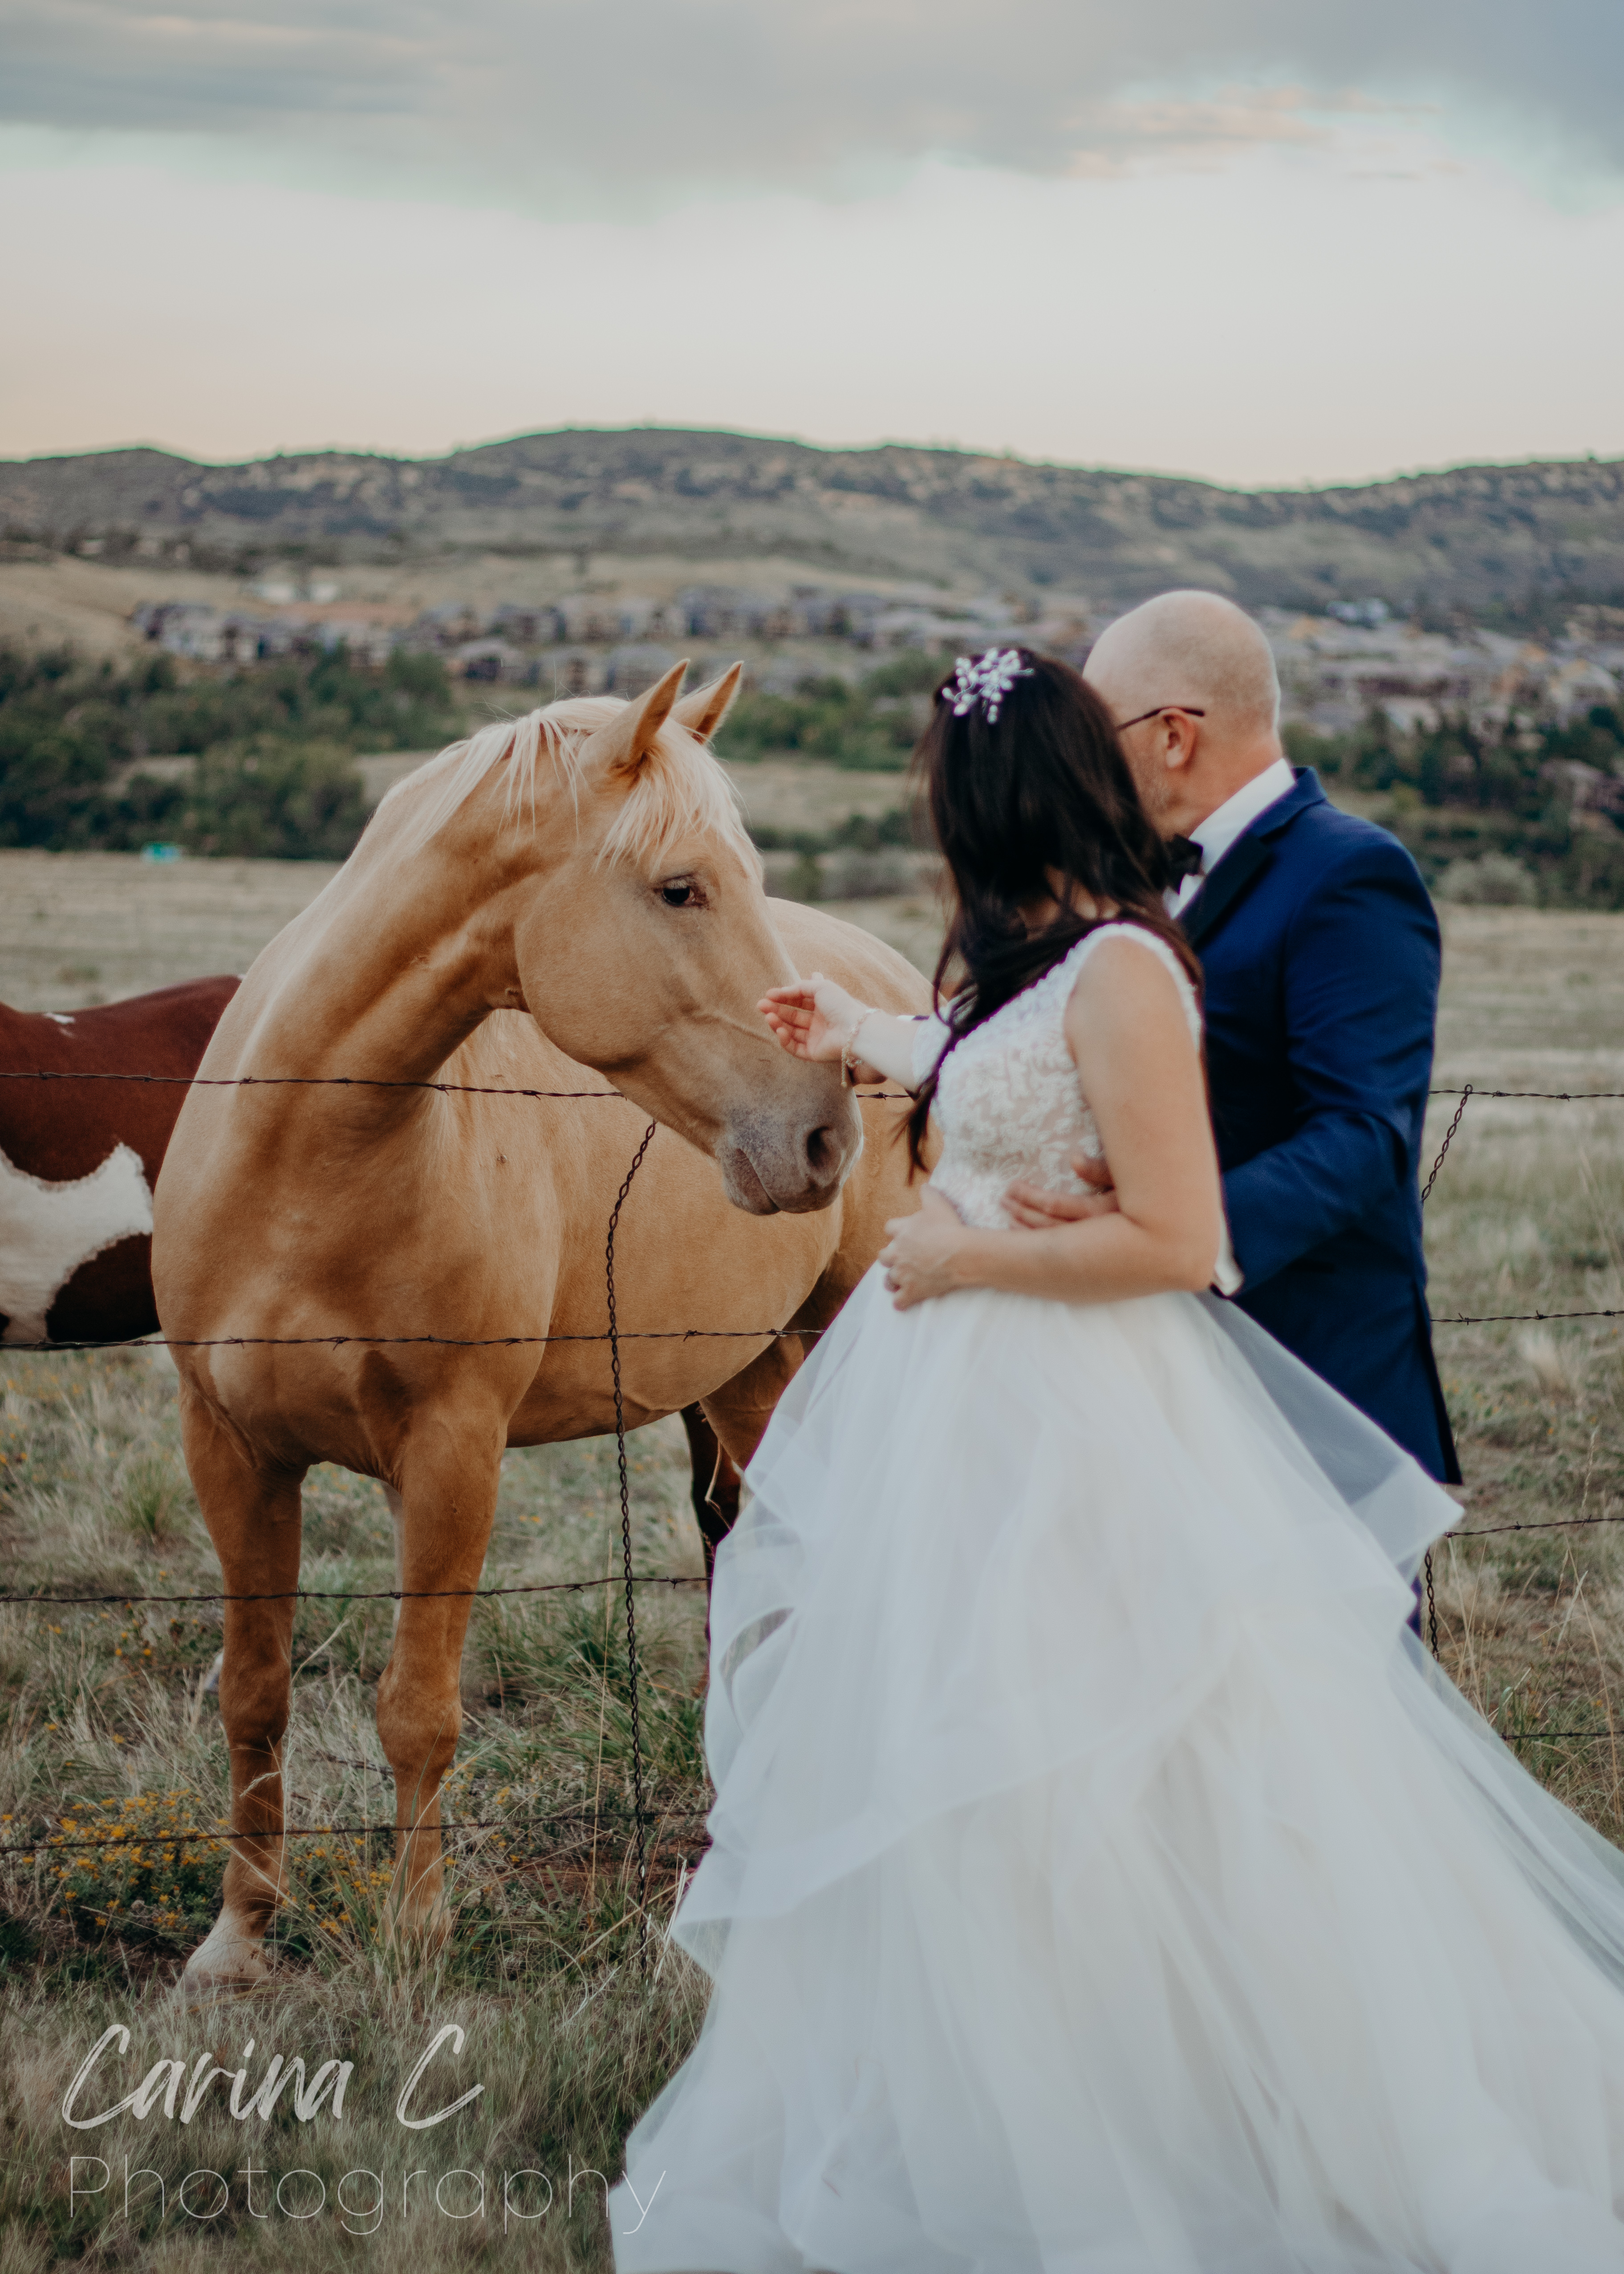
<point x="1244" y="862"/>
<point x="1225" y="885"/>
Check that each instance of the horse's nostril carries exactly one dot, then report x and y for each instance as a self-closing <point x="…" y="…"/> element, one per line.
<point x="822" y="1151"/>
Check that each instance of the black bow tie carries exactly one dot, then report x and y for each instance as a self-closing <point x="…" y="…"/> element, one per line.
<point x="1185" y="858"/>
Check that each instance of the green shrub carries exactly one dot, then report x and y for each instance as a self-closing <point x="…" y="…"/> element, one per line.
<point x="1484" y="806"/>
<point x="870" y="724"/>
<point x="272" y="742"/>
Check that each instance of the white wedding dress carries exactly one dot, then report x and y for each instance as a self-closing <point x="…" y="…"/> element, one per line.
<point x="1103" y="1881"/>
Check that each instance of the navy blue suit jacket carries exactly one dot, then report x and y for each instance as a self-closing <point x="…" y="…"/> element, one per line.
<point x="1321" y="950"/>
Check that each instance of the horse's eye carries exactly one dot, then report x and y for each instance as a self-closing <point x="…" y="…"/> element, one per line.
<point x="677" y="896"/>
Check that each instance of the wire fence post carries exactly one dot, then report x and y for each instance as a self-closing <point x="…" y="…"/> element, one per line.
<point x="1431" y="1608"/>
<point x="626" y="1550"/>
<point x="1426" y="1190"/>
<point x="1426" y="1194"/>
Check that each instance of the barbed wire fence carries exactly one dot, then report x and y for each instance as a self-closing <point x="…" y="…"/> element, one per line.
<point x="638" y="1817"/>
<point x="1465" y="1094"/>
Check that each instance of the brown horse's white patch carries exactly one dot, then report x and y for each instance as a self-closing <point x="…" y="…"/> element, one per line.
<point x="47" y="1231"/>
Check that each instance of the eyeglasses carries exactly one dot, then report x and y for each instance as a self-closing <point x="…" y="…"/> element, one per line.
<point x="1190" y="710"/>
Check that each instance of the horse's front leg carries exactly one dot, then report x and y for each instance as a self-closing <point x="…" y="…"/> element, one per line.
<point x="252" y="1516"/>
<point x="715" y="1485"/>
<point x="739" y="1412"/>
<point x="447" y="1485"/>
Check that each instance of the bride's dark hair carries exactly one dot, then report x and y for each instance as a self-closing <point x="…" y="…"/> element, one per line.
<point x="1043" y="788"/>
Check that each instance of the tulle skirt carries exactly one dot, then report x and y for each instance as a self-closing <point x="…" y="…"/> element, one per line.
<point x="1102" y="1880"/>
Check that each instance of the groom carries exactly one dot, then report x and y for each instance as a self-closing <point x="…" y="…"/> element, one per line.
<point x="1320" y="951"/>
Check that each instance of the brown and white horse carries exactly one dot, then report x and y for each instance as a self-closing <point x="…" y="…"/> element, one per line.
<point x="573" y="891"/>
<point x="79" y="1160"/>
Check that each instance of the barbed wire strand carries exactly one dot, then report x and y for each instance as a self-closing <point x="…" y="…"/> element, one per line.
<point x="294" y="1081"/>
<point x="1549" y="1736"/>
<point x="500" y="1089"/>
<point x="330" y="1081"/>
<point x="443" y="1342"/>
<point x="132" y="1840"/>
<point x="130" y="1597"/>
<point x="1545" y="1524"/>
<point x="381" y="1594"/>
<point x="1567" y="1096"/>
<point x="1514" y="1318"/>
<point x="337" y="1342"/>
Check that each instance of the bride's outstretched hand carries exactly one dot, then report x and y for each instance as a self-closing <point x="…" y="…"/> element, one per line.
<point x="919" y="1260"/>
<point x="814" y="1019"/>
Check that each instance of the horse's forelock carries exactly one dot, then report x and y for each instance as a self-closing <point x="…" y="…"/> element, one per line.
<point x="680" y="789"/>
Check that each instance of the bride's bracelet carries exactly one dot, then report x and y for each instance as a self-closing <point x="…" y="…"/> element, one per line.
<point x="848" y="1052"/>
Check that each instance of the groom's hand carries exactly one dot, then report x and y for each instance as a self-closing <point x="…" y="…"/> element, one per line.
<point x="1036" y="1210"/>
<point x="919" y="1259"/>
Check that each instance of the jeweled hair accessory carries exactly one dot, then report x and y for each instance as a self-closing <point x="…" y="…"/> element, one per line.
<point x="985" y="679"/>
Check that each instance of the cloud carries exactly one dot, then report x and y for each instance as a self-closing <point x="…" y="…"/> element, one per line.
<point x="617" y="100"/>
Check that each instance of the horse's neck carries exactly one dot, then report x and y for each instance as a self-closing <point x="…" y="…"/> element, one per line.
<point x="392" y="968"/>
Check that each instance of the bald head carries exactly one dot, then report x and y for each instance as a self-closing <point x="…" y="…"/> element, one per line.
<point x="1190" y="647"/>
<point x="1198" y="651"/>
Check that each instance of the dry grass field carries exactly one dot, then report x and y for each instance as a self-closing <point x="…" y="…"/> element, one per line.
<point x="1528" y="1217"/>
<point x="110" y="1736"/>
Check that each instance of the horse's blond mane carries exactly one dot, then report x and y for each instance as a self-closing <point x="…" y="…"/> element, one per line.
<point x="679" y="790"/>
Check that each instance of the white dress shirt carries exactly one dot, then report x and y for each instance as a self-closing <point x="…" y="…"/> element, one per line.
<point x="1233" y="818"/>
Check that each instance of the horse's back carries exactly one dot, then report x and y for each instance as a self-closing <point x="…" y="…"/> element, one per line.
<point x="820" y="941"/>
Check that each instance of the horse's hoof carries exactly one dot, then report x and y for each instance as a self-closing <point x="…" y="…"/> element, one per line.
<point x="224" y="1964"/>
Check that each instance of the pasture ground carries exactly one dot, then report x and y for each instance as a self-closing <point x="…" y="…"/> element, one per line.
<point x="108" y="1731"/>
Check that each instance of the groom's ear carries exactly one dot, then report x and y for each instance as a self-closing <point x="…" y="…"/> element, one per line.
<point x="1177" y="735"/>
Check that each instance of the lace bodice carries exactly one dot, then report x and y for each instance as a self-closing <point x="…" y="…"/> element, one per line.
<point x="1009" y="1104"/>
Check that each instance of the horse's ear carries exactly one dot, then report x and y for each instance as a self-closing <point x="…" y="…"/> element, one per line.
<point x="703" y="712"/>
<point x="625" y="743"/>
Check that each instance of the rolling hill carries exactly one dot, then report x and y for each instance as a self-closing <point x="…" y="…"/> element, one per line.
<point x="1475" y="537"/>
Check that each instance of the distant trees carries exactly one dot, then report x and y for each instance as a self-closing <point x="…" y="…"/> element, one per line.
<point x="272" y="745"/>
<point x="1470" y="797"/>
<point x="1520" y="808"/>
<point x="870" y="724"/>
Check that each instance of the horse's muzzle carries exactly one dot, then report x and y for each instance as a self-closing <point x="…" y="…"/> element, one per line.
<point x="769" y="1170"/>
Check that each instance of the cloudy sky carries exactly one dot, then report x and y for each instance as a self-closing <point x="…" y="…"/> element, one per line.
<point x="1261" y="240"/>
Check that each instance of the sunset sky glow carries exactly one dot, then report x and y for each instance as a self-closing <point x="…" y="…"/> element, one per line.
<point x="1258" y="242"/>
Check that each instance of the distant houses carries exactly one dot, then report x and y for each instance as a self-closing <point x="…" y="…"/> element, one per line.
<point x="369" y="631"/>
<point x="488" y="659"/>
<point x="585" y="643"/>
<point x="1335" y="669"/>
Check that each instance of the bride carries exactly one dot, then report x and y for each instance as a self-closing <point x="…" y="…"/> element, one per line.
<point x="1102" y="1881"/>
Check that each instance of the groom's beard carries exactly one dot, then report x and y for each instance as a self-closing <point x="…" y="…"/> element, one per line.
<point x="1156" y="797"/>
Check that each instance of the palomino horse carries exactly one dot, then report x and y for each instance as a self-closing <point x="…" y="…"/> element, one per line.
<point x="585" y="866"/>
<point x="78" y="1159"/>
